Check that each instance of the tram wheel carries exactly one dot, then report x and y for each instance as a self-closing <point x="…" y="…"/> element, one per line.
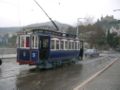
<point x="0" y="61"/>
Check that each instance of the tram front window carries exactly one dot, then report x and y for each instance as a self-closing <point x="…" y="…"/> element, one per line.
<point x="27" y="41"/>
<point x="23" y="41"/>
<point x="34" y="42"/>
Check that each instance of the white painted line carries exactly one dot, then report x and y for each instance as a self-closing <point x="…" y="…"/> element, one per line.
<point x="93" y="76"/>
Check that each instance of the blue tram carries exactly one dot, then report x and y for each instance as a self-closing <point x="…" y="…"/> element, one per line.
<point x="46" y="48"/>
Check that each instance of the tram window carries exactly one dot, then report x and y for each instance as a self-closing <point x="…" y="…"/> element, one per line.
<point x="69" y="45"/>
<point x="66" y="44"/>
<point x="75" y="45"/>
<point x="39" y="43"/>
<point x="32" y="42"/>
<point x="57" y="44"/>
<point x="45" y="43"/>
<point x="27" y="41"/>
<point x="78" y="45"/>
<point x="36" y="42"/>
<point x="52" y="44"/>
<point x="62" y="45"/>
<point x="22" y="41"/>
<point x="18" y="41"/>
<point x="72" y="45"/>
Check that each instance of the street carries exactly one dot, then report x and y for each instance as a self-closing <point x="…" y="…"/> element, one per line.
<point x="108" y="80"/>
<point x="67" y="77"/>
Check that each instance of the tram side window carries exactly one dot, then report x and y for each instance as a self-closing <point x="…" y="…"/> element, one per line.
<point x="69" y="45"/>
<point x="66" y="44"/>
<point x="75" y="45"/>
<point x="62" y="44"/>
<point x="32" y="41"/>
<point x="78" y="45"/>
<point x="52" y="44"/>
<point x="72" y="45"/>
<point x="36" y="42"/>
<point x="57" y="44"/>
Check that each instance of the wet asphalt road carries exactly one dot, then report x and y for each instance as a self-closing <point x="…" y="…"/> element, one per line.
<point x="109" y="80"/>
<point x="23" y="77"/>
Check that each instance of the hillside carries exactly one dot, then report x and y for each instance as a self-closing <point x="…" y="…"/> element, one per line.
<point x="4" y="30"/>
<point x="48" y="25"/>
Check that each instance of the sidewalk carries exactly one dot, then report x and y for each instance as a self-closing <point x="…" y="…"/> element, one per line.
<point x="108" y="80"/>
<point x="8" y="56"/>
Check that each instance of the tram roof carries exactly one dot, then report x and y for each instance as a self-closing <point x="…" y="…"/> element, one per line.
<point x="50" y="32"/>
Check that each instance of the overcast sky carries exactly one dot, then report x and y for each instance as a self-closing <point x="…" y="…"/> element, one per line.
<point x="24" y="12"/>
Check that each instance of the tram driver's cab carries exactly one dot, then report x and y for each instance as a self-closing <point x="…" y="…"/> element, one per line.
<point x="32" y="48"/>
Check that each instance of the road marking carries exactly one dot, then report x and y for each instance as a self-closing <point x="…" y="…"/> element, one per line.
<point x="95" y="75"/>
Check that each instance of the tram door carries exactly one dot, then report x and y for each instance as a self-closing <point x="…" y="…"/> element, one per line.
<point x="44" y="47"/>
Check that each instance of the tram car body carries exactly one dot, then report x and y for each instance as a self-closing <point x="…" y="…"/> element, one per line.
<point x="46" y="48"/>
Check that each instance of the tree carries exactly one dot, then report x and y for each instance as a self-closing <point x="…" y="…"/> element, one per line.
<point x="113" y="39"/>
<point x="93" y="34"/>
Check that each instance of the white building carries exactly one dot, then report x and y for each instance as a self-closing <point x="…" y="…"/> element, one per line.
<point x="113" y="29"/>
